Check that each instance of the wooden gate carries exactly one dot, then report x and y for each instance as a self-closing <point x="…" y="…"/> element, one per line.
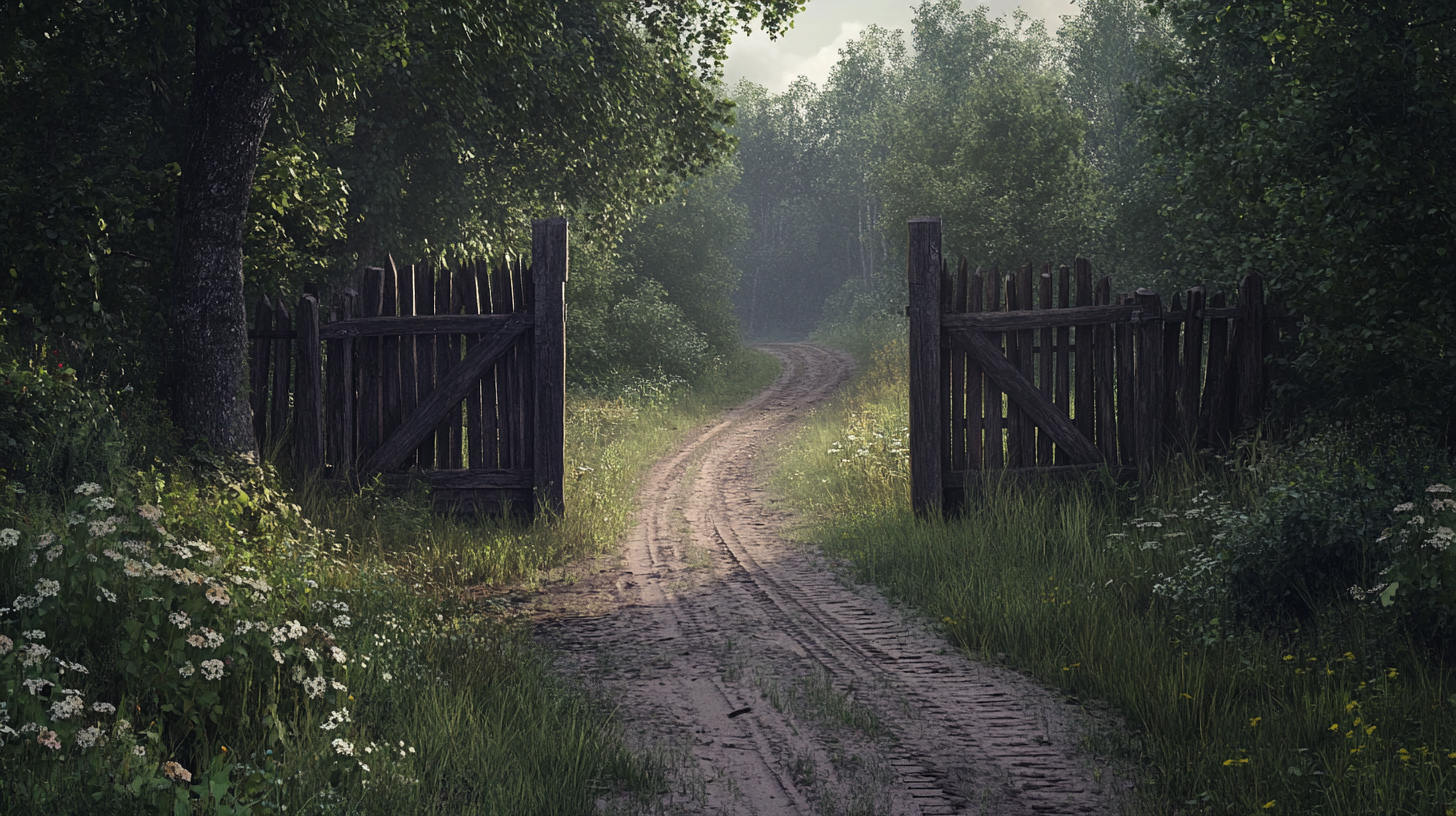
<point x="455" y="376"/>
<point x="1026" y="382"/>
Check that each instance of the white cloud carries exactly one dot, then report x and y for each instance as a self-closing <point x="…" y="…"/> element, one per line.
<point x="770" y="64"/>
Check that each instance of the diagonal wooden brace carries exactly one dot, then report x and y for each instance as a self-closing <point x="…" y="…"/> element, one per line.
<point x="413" y="430"/>
<point x="1042" y="411"/>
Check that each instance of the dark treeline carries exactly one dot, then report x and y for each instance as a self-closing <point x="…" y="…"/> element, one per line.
<point x="1172" y="142"/>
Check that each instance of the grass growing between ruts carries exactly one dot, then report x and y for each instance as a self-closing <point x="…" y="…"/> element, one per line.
<point x="192" y="638"/>
<point x="1339" y="708"/>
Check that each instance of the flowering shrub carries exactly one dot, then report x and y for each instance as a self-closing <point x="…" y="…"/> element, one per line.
<point x="128" y="648"/>
<point x="1421" y="578"/>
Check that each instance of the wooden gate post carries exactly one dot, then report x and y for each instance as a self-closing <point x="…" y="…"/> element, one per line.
<point x="926" y="423"/>
<point x="549" y="264"/>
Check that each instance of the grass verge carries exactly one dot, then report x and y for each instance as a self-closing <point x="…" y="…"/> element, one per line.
<point x="1338" y="708"/>
<point x="193" y="638"/>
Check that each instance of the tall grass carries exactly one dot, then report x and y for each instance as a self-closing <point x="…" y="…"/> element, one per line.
<point x="352" y="674"/>
<point x="1335" y="711"/>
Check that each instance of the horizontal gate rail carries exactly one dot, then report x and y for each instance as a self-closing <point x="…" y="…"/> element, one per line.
<point x="1004" y="383"/>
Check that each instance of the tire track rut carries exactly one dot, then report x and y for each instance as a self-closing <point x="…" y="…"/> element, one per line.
<point x="776" y="689"/>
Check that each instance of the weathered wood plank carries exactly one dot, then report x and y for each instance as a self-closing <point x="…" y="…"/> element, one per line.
<point x="489" y="411"/>
<point x="370" y="410"/>
<point x="975" y="407"/>
<point x="1250" y="388"/>
<point x="1105" y="376"/>
<point x="1063" y="396"/>
<point x="507" y="417"/>
<point x="1024" y="392"/>
<point x="480" y="479"/>
<point x="1192" y="369"/>
<point x="424" y="323"/>
<point x="1044" y="446"/>
<point x="308" y="407"/>
<point x="1214" y="424"/>
<point x="993" y="422"/>
<point x="549" y="265"/>
<point x="956" y="361"/>
<point x="390" y="401"/>
<point x="258" y="371"/>
<point x="334" y="392"/>
<point x="1015" y="426"/>
<point x="1149" y="390"/>
<point x="470" y="305"/>
<point x="408" y="377"/>
<point x="424" y="356"/>
<point x="449" y="393"/>
<point x="1126" y="399"/>
<point x="1026" y="338"/>
<point x="282" y="368"/>
<point x="1172" y="376"/>
<point x="923" y="269"/>
<point x="1055" y="318"/>
<point x="443" y="364"/>
<point x="1084" y="412"/>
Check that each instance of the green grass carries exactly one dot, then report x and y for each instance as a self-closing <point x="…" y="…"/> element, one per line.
<point x="1336" y="713"/>
<point x="450" y="708"/>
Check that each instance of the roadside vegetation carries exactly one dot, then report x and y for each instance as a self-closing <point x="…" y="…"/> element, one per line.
<point x="193" y="633"/>
<point x="1271" y="627"/>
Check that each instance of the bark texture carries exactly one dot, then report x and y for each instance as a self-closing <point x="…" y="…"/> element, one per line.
<point x="229" y="109"/>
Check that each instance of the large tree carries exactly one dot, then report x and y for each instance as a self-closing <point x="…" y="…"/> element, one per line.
<point x="417" y="122"/>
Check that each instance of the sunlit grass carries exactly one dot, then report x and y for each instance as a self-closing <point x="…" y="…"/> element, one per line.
<point x="1335" y="714"/>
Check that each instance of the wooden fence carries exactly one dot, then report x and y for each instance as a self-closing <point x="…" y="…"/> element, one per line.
<point x="1031" y="374"/>
<point x="451" y="375"/>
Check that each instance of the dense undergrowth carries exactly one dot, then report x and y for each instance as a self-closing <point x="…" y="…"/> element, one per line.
<point x="190" y="634"/>
<point x="1273" y="626"/>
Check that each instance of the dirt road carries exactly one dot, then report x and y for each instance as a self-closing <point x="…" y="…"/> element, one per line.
<point x="770" y="686"/>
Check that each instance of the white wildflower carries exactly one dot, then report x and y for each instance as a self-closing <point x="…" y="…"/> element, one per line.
<point x="6" y="644"/>
<point x="1405" y="508"/>
<point x="74" y="519"/>
<point x="342" y="621"/>
<point x="102" y="527"/>
<point x="87" y="737"/>
<point x="187" y="669"/>
<point x="107" y="594"/>
<point x="150" y="512"/>
<point x="315" y="686"/>
<point x="338" y="654"/>
<point x="35" y="684"/>
<point x="67" y="708"/>
<point x="343" y="746"/>
<point x="9" y="537"/>
<point x="102" y="503"/>
<point x="88" y="489"/>
<point x="34" y="654"/>
<point x="103" y="708"/>
<point x="1438" y="488"/>
<point x="46" y="588"/>
<point x="212" y="669"/>
<point x="219" y="596"/>
<point x="33" y="634"/>
<point x="179" y="620"/>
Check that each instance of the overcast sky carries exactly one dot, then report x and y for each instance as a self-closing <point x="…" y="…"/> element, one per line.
<point x="812" y="46"/>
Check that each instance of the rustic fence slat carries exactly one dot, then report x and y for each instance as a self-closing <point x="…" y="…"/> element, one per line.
<point x="424" y="355"/>
<point x="443" y="364"/>
<point x="389" y="355"/>
<point x="1044" y="361"/>
<point x="956" y="360"/>
<point x="549" y="251"/>
<point x="1149" y="409"/>
<point x="408" y="378"/>
<point x="1214" y="422"/>
<point x="258" y="373"/>
<point x="470" y="305"/>
<point x="1126" y="400"/>
<point x="1063" y="396"/>
<point x="1172" y="377"/>
<point x="975" y="407"/>
<point x="995" y="441"/>
<point x="1250" y="388"/>
<point x="1011" y="380"/>
<point x="489" y="410"/>
<point x="1085" y="414"/>
<point x="525" y="372"/>
<point x="308" y="407"/>
<point x="504" y="375"/>
<point x="1014" y="424"/>
<point x="451" y="391"/>
<point x="371" y="294"/>
<point x="1026" y="339"/>
<point x="1192" y="368"/>
<point x="333" y="393"/>
<point x="282" y="367"/>
<point x="1106" y="355"/>
<point x="923" y="267"/>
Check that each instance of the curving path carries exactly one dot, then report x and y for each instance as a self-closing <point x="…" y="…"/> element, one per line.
<point x="768" y="685"/>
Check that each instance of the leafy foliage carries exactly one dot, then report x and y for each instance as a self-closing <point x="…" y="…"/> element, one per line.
<point x="1308" y="140"/>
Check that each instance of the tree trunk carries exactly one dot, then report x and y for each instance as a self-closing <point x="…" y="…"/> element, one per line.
<point x="230" y="105"/>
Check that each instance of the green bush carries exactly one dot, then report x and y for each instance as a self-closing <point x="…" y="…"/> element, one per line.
<point x="1310" y="530"/>
<point x="52" y="431"/>
<point x="1421" y="579"/>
